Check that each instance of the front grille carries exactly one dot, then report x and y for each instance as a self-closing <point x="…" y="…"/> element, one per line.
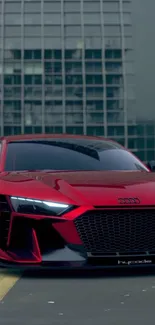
<point x="5" y="215"/>
<point x="111" y="232"/>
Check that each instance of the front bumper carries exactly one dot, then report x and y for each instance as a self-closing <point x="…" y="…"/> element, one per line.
<point x="34" y="241"/>
<point x="69" y="258"/>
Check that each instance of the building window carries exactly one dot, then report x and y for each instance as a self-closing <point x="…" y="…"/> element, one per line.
<point x="115" y="130"/>
<point x="91" y="6"/>
<point x="72" y="6"/>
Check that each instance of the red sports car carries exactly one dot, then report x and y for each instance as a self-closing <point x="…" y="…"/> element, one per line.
<point x="74" y="201"/>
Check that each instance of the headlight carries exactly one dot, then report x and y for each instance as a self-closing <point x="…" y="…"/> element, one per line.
<point x="32" y="206"/>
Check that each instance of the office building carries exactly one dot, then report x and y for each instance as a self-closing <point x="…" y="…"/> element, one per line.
<point x="67" y="66"/>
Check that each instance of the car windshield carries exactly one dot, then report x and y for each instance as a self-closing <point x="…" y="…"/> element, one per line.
<point x="69" y="154"/>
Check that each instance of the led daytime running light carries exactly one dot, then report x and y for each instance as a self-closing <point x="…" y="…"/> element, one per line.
<point x="48" y="203"/>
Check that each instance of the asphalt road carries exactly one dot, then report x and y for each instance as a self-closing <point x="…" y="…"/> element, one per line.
<point x="94" y="298"/>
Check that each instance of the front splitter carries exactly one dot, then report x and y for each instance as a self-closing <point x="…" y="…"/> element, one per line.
<point x="75" y="257"/>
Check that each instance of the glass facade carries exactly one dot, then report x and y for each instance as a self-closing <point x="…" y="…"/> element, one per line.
<point x="67" y="66"/>
<point x="141" y="139"/>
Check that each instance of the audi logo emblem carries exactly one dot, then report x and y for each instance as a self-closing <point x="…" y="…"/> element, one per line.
<point x="129" y="200"/>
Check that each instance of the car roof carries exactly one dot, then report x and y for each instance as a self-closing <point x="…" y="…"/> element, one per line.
<point x="13" y="138"/>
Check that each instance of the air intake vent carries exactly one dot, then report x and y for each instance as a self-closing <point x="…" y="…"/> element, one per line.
<point x="109" y="232"/>
<point x="5" y="215"/>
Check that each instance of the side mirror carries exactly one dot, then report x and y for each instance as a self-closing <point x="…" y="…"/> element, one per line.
<point x="151" y="165"/>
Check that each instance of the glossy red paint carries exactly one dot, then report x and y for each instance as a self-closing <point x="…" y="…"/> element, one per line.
<point x="83" y="190"/>
<point x="35" y="249"/>
<point x="68" y="231"/>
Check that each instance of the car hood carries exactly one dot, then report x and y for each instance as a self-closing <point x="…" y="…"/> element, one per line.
<point x="86" y="188"/>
